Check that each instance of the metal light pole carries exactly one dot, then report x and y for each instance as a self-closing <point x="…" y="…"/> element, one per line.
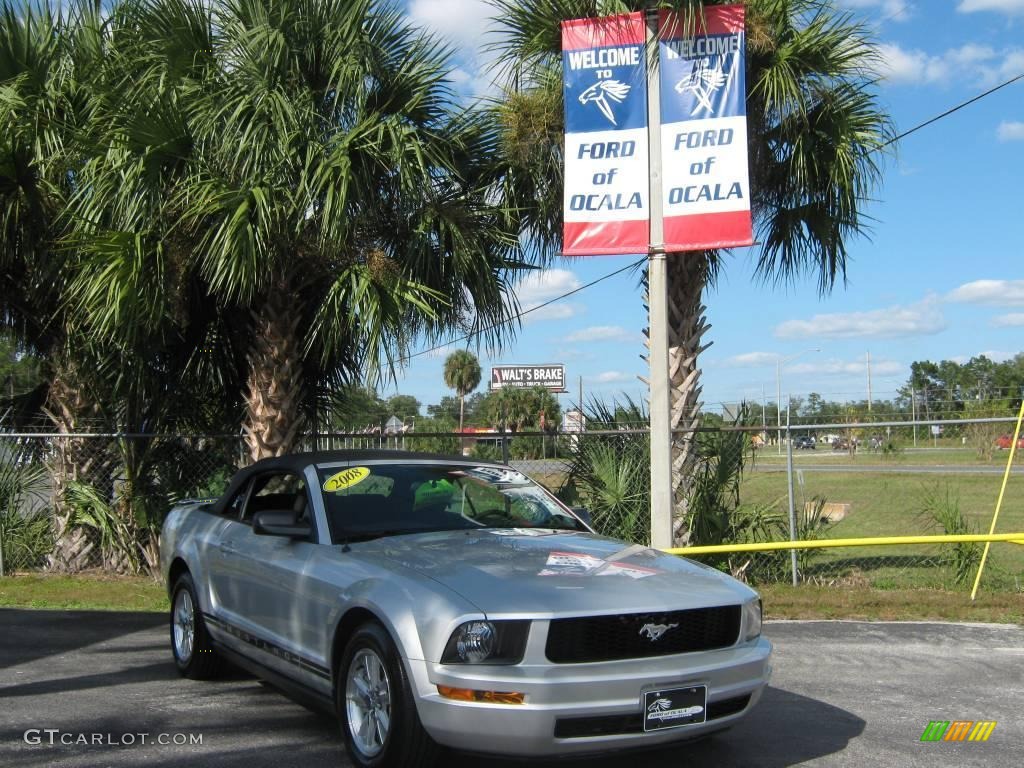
<point x="662" y="501"/>
<point x="789" y="455"/>
<point x="778" y="390"/>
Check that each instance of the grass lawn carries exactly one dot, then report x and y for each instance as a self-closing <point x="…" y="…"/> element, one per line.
<point x="891" y="504"/>
<point x="781" y="601"/>
<point x="923" y="456"/>
<point x="88" y="592"/>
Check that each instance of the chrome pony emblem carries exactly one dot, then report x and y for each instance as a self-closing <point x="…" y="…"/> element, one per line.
<point x="653" y="631"/>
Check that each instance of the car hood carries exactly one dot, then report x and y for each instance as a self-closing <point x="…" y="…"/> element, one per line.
<point x="542" y="573"/>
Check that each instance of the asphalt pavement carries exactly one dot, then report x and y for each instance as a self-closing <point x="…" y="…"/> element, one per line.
<point x="843" y="694"/>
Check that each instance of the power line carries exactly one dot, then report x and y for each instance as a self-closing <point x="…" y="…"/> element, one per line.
<point x="636" y="264"/>
<point x="950" y="111"/>
<point x="519" y="315"/>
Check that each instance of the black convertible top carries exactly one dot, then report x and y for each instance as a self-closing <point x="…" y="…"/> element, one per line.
<point x="297" y="463"/>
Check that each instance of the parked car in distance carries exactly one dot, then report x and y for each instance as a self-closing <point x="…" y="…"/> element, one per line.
<point x="429" y="600"/>
<point x="1003" y="442"/>
<point x="804" y="442"/>
<point x="842" y="444"/>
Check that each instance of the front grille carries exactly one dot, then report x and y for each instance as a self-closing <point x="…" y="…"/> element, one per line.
<point x="617" y="725"/>
<point x="606" y="638"/>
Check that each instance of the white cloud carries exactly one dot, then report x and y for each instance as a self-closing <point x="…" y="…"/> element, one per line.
<point x="560" y="311"/>
<point x="1003" y="6"/>
<point x="601" y="333"/>
<point x="1010" y="131"/>
<point x="750" y="360"/>
<point x="897" y="10"/>
<point x="545" y="284"/>
<point x="922" y="319"/>
<point x="439" y="352"/>
<point x="971" y="63"/>
<point x="542" y="286"/>
<point x="836" y="367"/>
<point x="1012" y="320"/>
<point x="998" y="356"/>
<point x="610" y="377"/>
<point x="465" y="24"/>
<point x="999" y="293"/>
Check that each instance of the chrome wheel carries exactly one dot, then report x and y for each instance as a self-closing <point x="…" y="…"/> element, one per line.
<point x="184" y="626"/>
<point x="368" y="702"/>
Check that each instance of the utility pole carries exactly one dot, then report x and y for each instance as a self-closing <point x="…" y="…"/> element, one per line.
<point x="913" y="412"/>
<point x="764" y="420"/>
<point x="869" y="382"/>
<point x="662" y="501"/>
<point x="778" y="401"/>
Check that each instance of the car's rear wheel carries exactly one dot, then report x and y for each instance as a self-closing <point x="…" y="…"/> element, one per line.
<point x="194" y="654"/>
<point x="378" y="716"/>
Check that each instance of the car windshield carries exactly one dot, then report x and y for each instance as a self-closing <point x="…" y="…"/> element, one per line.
<point x="373" y="500"/>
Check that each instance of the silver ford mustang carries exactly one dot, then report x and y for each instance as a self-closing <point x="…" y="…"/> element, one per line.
<point x="430" y="600"/>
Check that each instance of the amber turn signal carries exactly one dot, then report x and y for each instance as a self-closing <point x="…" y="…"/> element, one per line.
<point x="488" y="697"/>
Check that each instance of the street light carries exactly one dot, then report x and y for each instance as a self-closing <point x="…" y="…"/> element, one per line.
<point x="778" y="388"/>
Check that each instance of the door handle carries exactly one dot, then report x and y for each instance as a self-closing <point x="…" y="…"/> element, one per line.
<point x="227" y="548"/>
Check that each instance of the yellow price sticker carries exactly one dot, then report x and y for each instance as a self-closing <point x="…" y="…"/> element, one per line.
<point x="346" y="479"/>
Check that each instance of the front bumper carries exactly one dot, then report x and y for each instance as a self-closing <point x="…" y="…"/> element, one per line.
<point x="580" y="708"/>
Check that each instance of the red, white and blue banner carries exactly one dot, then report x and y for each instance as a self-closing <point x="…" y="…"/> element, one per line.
<point x="704" y="130"/>
<point x="607" y="190"/>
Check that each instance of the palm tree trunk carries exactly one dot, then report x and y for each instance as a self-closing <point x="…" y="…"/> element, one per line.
<point x="275" y="387"/>
<point x="687" y="277"/>
<point x="462" y="407"/>
<point x="71" y="461"/>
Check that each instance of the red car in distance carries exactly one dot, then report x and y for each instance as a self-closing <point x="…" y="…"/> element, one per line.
<point x="1003" y="442"/>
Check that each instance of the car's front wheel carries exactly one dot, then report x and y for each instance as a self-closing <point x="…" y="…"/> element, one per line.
<point x="194" y="654"/>
<point x="378" y="716"/>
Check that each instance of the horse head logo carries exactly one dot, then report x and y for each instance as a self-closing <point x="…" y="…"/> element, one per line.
<point x="703" y="81"/>
<point x="603" y="91"/>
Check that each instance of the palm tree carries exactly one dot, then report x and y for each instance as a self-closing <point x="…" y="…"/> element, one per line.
<point x="462" y="373"/>
<point x="302" y="166"/>
<point x="815" y="129"/>
<point x="40" y="114"/>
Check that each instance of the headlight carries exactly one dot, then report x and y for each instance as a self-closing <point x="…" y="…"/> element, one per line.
<point x="752" y="620"/>
<point x="487" y="642"/>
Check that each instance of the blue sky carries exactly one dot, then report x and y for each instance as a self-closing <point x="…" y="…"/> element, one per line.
<point x="942" y="276"/>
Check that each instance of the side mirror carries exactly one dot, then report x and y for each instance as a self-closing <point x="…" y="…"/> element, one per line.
<point x="583" y="514"/>
<point x="279" y="522"/>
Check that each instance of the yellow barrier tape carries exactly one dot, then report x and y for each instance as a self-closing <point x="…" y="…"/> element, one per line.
<point x="999" y="501"/>
<point x="772" y="546"/>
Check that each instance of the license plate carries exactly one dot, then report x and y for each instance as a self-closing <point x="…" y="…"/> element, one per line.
<point x="673" y="707"/>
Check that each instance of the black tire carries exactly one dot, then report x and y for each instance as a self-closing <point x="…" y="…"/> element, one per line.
<point x="203" y="662"/>
<point x="406" y="744"/>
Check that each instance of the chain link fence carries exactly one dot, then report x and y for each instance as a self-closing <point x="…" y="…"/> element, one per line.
<point x="867" y="480"/>
<point x="70" y="503"/>
<point x="96" y="501"/>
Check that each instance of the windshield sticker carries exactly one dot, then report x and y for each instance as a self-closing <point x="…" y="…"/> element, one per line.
<point x="346" y="479"/>
<point x="494" y="475"/>
<point x="581" y="564"/>
<point x="624" y="569"/>
<point x="522" y="531"/>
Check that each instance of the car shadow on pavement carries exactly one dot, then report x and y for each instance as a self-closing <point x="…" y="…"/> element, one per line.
<point x="783" y="729"/>
<point x="31" y="634"/>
